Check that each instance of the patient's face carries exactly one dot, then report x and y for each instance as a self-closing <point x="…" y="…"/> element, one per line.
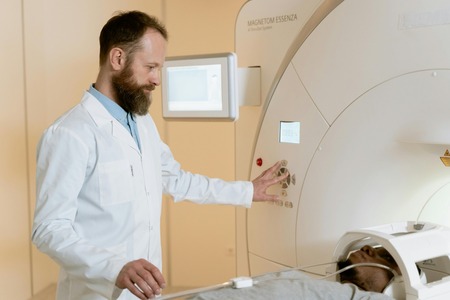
<point x="369" y="278"/>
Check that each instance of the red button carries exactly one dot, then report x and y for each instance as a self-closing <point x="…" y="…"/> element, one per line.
<point x="259" y="162"/>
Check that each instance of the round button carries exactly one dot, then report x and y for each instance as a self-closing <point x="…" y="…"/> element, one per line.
<point x="259" y="162"/>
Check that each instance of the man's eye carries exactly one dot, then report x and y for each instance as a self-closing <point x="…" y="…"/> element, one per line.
<point x="387" y="257"/>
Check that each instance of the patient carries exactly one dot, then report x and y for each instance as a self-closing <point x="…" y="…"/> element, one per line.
<point x="373" y="279"/>
<point x="369" y="282"/>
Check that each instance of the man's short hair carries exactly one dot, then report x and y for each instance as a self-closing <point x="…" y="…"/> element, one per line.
<point x="125" y="30"/>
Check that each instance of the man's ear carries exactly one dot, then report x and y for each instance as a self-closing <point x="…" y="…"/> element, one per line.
<point x="117" y="58"/>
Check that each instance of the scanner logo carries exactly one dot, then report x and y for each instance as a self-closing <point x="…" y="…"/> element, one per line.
<point x="266" y="23"/>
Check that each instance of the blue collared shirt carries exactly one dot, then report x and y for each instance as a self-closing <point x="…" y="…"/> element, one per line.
<point x="124" y="118"/>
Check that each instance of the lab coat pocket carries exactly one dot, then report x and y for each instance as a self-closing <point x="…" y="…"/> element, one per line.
<point x="115" y="182"/>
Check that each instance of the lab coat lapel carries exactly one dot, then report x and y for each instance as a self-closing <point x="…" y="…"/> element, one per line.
<point x="120" y="132"/>
<point x="104" y="119"/>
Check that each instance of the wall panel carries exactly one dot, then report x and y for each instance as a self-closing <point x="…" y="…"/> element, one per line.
<point x="15" y="279"/>
<point x="201" y="238"/>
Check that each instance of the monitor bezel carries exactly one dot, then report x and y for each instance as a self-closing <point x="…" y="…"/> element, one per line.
<point x="230" y="106"/>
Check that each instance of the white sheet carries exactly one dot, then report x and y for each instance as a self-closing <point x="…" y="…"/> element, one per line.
<point x="291" y="285"/>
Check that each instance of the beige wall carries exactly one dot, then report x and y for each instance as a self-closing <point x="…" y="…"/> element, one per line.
<point x="202" y="238"/>
<point x="14" y="246"/>
<point x="49" y="57"/>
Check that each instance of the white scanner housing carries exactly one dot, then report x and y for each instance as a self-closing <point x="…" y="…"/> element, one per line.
<point x="356" y="103"/>
<point x="412" y="245"/>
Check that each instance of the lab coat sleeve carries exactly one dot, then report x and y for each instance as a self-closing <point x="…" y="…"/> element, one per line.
<point x="201" y="189"/>
<point x="61" y="170"/>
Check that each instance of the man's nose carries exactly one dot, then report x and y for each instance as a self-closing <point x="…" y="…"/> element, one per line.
<point x="368" y="250"/>
<point x="155" y="77"/>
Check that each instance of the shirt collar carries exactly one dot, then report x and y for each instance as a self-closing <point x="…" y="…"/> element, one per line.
<point x="112" y="107"/>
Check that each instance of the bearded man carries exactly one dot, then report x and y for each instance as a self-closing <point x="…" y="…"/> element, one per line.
<point x="102" y="169"/>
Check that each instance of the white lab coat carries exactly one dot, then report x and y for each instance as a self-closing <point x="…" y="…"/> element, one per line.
<point x="99" y="197"/>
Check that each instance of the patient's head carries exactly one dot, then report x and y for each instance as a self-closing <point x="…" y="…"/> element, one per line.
<point x="369" y="278"/>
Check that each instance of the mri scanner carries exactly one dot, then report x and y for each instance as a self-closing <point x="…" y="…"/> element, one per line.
<point x="356" y="104"/>
<point x="358" y="110"/>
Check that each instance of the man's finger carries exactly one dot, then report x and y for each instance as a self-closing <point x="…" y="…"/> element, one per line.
<point x="156" y="276"/>
<point x="275" y="167"/>
<point x="135" y="290"/>
<point x="277" y="179"/>
<point x="153" y="286"/>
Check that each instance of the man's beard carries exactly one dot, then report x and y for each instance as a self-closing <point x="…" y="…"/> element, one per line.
<point x="349" y="274"/>
<point x="130" y="95"/>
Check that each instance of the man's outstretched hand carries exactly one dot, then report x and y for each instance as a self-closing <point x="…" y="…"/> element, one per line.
<point x="267" y="178"/>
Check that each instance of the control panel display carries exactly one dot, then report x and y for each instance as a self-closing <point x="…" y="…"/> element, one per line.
<point x="289" y="132"/>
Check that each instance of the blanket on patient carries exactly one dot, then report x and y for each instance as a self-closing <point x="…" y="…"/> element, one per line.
<point x="291" y="285"/>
